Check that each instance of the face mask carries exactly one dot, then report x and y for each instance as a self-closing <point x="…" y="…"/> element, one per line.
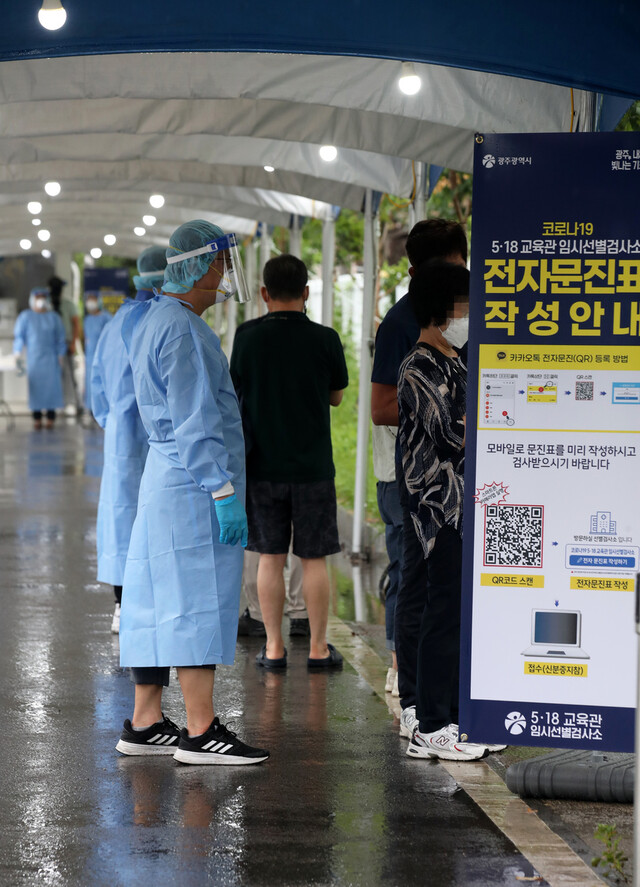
<point x="41" y="304"/>
<point x="457" y="332"/>
<point x="92" y="306"/>
<point x="226" y="287"/>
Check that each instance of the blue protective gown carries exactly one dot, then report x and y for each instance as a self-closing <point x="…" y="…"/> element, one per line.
<point x="113" y="402"/>
<point x="181" y="587"/>
<point x="93" y="326"/>
<point x="43" y="336"/>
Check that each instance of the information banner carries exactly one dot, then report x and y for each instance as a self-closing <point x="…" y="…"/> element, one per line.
<point x="111" y="285"/>
<point x="552" y="483"/>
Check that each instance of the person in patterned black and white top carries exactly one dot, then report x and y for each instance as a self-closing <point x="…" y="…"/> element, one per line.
<point x="432" y="410"/>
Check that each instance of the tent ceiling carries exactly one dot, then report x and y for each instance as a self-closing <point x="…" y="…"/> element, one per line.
<point x="199" y="128"/>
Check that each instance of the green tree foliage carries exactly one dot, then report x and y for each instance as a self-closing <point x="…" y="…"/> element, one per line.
<point x="630" y="121"/>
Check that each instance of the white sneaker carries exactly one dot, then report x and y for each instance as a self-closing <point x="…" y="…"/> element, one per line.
<point x="489" y="748"/>
<point x="444" y="744"/>
<point x="408" y="721"/>
<point x="396" y="690"/>
<point x="115" y="622"/>
<point x="391" y="677"/>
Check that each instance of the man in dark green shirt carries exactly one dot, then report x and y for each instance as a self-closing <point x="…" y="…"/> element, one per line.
<point x="288" y="372"/>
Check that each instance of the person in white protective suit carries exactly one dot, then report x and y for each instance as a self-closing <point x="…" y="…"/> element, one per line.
<point x="94" y="322"/>
<point x="114" y="406"/>
<point x="182" y="577"/>
<point x="40" y="331"/>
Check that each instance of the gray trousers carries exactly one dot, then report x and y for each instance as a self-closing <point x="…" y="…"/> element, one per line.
<point x="294" y="605"/>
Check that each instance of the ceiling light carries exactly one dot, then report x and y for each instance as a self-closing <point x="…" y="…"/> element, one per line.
<point x="149" y="220"/>
<point x="139" y="231"/>
<point x="269" y="168"/>
<point x="109" y="239"/>
<point x="45" y="253"/>
<point x="409" y="82"/>
<point x="156" y="201"/>
<point x="96" y="252"/>
<point x="53" y="188"/>
<point x="328" y="153"/>
<point x="43" y="234"/>
<point x="36" y="222"/>
<point x="34" y="207"/>
<point x="25" y="244"/>
<point x="51" y="15"/>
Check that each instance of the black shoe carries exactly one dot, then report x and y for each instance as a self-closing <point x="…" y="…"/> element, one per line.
<point x="158" y="739"/>
<point x="250" y="627"/>
<point x="265" y="662"/>
<point x="217" y="746"/>
<point x="333" y="660"/>
<point x="299" y="628"/>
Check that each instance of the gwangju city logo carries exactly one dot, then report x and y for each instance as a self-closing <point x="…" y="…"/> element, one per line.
<point x="488" y="160"/>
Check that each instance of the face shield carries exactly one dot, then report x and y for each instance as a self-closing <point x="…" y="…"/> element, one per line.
<point x="39" y="300"/>
<point x="226" y="257"/>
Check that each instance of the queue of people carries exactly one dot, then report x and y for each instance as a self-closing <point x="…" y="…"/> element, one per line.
<point x="189" y="439"/>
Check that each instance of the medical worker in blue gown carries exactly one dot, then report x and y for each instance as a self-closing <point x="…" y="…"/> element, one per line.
<point x="95" y="320"/>
<point x="114" y="406"/>
<point x="182" y="578"/>
<point x="40" y="331"/>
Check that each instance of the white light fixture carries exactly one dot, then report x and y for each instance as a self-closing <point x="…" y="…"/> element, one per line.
<point x="96" y="252"/>
<point x="156" y="201"/>
<point x="139" y="231"/>
<point x="43" y="234"/>
<point x="25" y="244"/>
<point x="36" y="222"/>
<point x="53" y="188"/>
<point x="328" y="153"/>
<point x="149" y="220"/>
<point x="409" y="82"/>
<point x="34" y="207"/>
<point x="109" y="239"/>
<point x="45" y="253"/>
<point x="52" y="15"/>
<point x="269" y="168"/>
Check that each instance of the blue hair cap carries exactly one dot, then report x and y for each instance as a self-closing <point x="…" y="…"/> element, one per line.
<point x="151" y="259"/>
<point x="180" y="277"/>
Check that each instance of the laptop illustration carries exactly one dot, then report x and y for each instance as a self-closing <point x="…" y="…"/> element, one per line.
<point x="556" y="633"/>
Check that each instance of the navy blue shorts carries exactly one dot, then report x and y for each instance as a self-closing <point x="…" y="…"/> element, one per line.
<point x="309" y="509"/>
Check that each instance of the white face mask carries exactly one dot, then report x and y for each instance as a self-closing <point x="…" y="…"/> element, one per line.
<point x="92" y="306"/>
<point x="40" y="304"/>
<point x="457" y="331"/>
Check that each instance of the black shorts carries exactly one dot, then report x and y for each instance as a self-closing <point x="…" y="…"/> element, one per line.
<point x="273" y="509"/>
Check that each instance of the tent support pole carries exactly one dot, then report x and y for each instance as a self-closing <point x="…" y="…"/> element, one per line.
<point x="295" y="237"/>
<point x="420" y="203"/>
<point x="328" y="259"/>
<point x="265" y="255"/>
<point x="364" y="389"/>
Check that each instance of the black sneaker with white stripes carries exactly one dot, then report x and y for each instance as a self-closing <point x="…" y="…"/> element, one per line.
<point x="158" y="739"/>
<point x="217" y="746"/>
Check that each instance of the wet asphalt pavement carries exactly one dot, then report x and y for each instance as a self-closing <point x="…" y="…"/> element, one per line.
<point x="337" y="803"/>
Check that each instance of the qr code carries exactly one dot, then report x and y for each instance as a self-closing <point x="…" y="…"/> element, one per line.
<point x="513" y="535"/>
<point x="584" y="390"/>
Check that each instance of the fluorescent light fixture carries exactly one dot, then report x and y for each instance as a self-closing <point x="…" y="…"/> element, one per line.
<point x="52" y="15"/>
<point x="328" y="153"/>
<point x="36" y="222"/>
<point x="269" y="168"/>
<point x="156" y="201"/>
<point x="45" y="253"/>
<point x="139" y="231"/>
<point x="43" y="234"/>
<point x="109" y="239"/>
<point x="96" y="252"/>
<point x="53" y="188"/>
<point x="409" y="82"/>
<point x="34" y="207"/>
<point x="149" y="220"/>
<point x="25" y="244"/>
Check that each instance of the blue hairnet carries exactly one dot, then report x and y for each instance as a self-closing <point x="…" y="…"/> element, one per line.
<point x="153" y="258"/>
<point x="181" y="276"/>
<point x="39" y="291"/>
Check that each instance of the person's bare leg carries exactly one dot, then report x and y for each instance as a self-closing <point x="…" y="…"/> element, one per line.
<point x="197" y="689"/>
<point x="315" y="587"/>
<point x="271" y="593"/>
<point x="147" y="708"/>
